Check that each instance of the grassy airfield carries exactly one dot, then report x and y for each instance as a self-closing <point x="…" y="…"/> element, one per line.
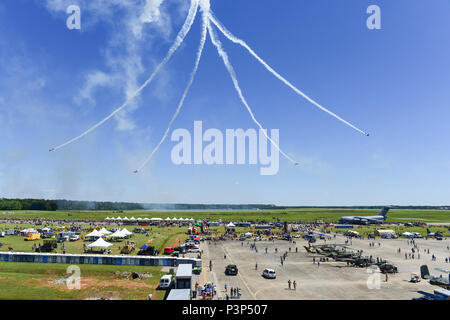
<point x="304" y="214"/>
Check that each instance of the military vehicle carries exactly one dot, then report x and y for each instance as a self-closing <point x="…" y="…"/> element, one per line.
<point x="48" y="246"/>
<point x="128" y="247"/>
<point x="147" y="251"/>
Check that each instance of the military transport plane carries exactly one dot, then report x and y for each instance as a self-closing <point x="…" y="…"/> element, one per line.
<point x="365" y="219"/>
<point x="436" y="281"/>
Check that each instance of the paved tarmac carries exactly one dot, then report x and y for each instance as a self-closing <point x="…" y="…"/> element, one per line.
<point x="329" y="280"/>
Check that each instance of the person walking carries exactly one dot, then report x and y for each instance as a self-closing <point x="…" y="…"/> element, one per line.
<point x="295" y="285"/>
<point x="289" y="284"/>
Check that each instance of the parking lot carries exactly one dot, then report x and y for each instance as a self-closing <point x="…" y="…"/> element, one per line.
<point x="329" y="280"/>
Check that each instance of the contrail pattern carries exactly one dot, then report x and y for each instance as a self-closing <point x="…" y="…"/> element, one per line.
<point x="232" y="73"/>
<point x="241" y="42"/>
<point x="186" y="91"/>
<point x="179" y="39"/>
<point x="208" y="19"/>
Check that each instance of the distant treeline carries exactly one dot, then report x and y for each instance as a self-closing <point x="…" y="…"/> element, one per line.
<point x="52" y="205"/>
<point x="28" y="204"/>
<point x="94" y="205"/>
<point x="198" y="206"/>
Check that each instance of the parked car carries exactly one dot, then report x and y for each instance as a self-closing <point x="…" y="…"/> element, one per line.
<point x="190" y="246"/>
<point x="269" y="274"/>
<point x="231" y="270"/>
<point x="168" y="250"/>
<point x="194" y="250"/>
<point x="180" y="249"/>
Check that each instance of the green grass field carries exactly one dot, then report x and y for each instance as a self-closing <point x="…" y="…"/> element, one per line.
<point x="306" y="214"/>
<point x="35" y="281"/>
<point x="158" y="237"/>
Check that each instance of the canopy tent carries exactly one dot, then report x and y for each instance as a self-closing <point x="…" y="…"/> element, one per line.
<point x="99" y="243"/>
<point x="144" y="247"/>
<point x="118" y="234"/>
<point x="94" y="233"/>
<point x="46" y="229"/>
<point x="126" y="232"/>
<point x="118" y="218"/>
<point x="133" y="218"/>
<point x="103" y="231"/>
<point x="139" y="219"/>
<point x="174" y="219"/>
<point x="126" y="218"/>
<point x="168" y="219"/>
<point x="146" y="219"/>
<point x="107" y="218"/>
<point x="181" y="219"/>
<point x="156" y="219"/>
<point x="230" y="225"/>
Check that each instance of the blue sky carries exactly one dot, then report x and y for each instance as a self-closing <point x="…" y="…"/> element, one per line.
<point x="394" y="82"/>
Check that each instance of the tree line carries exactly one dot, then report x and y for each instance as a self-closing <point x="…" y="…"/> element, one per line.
<point x="28" y="204"/>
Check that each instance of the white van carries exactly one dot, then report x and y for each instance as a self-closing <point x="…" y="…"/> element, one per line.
<point x="166" y="282"/>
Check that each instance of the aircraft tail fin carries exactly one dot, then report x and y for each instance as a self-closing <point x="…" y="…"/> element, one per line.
<point x="384" y="211"/>
<point x="424" y="272"/>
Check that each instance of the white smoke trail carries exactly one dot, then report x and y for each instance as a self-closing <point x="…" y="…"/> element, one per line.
<point x="186" y="90"/>
<point x="241" y="42"/>
<point x="179" y="39"/>
<point x="232" y="73"/>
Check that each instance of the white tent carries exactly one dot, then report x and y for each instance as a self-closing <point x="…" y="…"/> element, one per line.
<point x="118" y="218"/>
<point x="94" y="233"/>
<point x="168" y="219"/>
<point x="126" y="232"/>
<point x="181" y="219"/>
<point x="126" y="218"/>
<point x="139" y="219"/>
<point x="107" y="218"/>
<point x="103" y="231"/>
<point x="99" y="243"/>
<point x="230" y="225"/>
<point x="118" y="234"/>
<point x="146" y="219"/>
<point x="133" y="218"/>
<point x="155" y="219"/>
<point x="191" y="219"/>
